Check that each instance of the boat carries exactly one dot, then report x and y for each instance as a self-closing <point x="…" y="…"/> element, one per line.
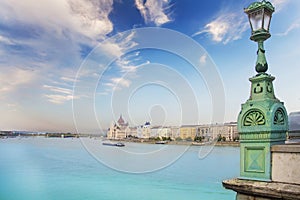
<point x="161" y="142"/>
<point x="119" y="144"/>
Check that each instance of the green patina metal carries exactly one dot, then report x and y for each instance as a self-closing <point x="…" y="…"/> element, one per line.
<point x="263" y="9"/>
<point x="261" y="63"/>
<point x="262" y="123"/>
<point x="260" y="5"/>
<point x="263" y="120"/>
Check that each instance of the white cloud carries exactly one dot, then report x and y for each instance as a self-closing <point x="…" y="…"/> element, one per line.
<point x="13" y="79"/>
<point x="88" y="18"/>
<point x="51" y="32"/>
<point x="225" y="28"/>
<point x="130" y="63"/>
<point x="116" y="83"/>
<point x="59" y="95"/>
<point x="58" y="98"/>
<point x="127" y="66"/>
<point x="121" y="81"/>
<point x="102" y="93"/>
<point x="6" y="40"/>
<point x="292" y="27"/>
<point x="58" y="28"/>
<point x="154" y="11"/>
<point x="116" y="46"/>
<point x="279" y="4"/>
<point x="58" y="89"/>
<point x="12" y="107"/>
<point x="68" y="79"/>
<point x="203" y="59"/>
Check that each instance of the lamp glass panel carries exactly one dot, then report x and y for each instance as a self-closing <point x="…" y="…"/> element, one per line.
<point x="267" y="19"/>
<point x="256" y="20"/>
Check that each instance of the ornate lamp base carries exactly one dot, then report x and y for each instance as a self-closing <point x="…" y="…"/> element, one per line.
<point x="262" y="123"/>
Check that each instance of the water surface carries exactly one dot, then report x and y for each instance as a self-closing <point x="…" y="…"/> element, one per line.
<point x="55" y="168"/>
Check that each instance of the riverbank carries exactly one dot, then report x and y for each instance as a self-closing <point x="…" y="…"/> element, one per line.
<point x="144" y="141"/>
<point x="187" y="143"/>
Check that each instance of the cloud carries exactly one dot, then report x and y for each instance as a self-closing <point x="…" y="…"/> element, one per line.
<point x="51" y="31"/>
<point x="12" y="107"/>
<point x="292" y="27"/>
<point x="129" y="63"/>
<point x="35" y="34"/>
<point x="155" y="11"/>
<point x="13" y="79"/>
<point x="59" y="94"/>
<point x="118" y="45"/>
<point x="5" y="40"/>
<point x="121" y="81"/>
<point x="118" y="83"/>
<point x="44" y="38"/>
<point x="58" y="99"/>
<point x="279" y="4"/>
<point x="61" y="17"/>
<point x="68" y="79"/>
<point x="225" y="28"/>
<point x="58" y="89"/>
<point x="125" y="66"/>
<point x="203" y="59"/>
<point x="113" y="48"/>
<point x="113" y="84"/>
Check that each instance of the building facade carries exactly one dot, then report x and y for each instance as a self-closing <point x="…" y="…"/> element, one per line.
<point x="118" y="130"/>
<point x="211" y="132"/>
<point x="188" y="132"/>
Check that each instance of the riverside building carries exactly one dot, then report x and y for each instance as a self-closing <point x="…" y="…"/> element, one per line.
<point x="118" y="130"/>
<point x="210" y="132"/>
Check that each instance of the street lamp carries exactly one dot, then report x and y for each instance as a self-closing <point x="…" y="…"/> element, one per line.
<point x="260" y="14"/>
<point x="262" y="121"/>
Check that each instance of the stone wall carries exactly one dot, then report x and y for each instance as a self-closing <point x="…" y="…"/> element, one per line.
<point x="286" y="163"/>
<point x="285" y="183"/>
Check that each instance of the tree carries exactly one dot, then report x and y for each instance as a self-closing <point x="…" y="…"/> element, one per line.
<point x="236" y="138"/>
<point x="198" y="139"/>
<point x="219" y="138"/>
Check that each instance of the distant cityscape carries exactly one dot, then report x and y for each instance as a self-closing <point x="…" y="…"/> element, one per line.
<point x="121" y="129"/>
<point x="210" y="132"/>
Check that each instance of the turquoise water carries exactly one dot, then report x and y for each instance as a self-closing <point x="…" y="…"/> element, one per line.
<point x="54" y="168"/>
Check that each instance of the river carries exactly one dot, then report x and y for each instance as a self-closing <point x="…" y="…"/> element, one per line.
<point x="70" y="169"/>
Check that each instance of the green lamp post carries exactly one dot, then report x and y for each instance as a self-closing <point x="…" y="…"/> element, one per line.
<point x="262" y="121"/>
<point x="260" y="14"/>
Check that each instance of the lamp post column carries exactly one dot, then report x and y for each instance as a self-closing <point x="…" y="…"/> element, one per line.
<point x="261" y="63"/>
<point x="262" y="121"/>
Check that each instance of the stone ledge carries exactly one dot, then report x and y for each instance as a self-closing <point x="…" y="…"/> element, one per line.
<point x="287" y="148"/>
<point x="272" y="190"/>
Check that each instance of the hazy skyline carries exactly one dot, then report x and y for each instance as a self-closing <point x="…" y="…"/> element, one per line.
<point x="49" y="48"/>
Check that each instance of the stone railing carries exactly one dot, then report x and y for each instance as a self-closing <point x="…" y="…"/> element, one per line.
<point x="285" y="183"/>
<point x="286" y="163"/>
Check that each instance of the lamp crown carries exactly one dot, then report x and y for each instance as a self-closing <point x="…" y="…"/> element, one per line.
<point x="258" y="6"/>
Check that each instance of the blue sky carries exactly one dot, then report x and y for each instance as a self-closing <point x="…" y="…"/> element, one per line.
<point x="73" y="64"/>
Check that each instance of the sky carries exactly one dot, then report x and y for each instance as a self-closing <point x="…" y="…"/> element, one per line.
<point x="77" y="65"/>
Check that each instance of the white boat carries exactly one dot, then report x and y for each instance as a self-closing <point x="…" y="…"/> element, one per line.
<point x="119" y="144"/>
<point x="161" y="142"/>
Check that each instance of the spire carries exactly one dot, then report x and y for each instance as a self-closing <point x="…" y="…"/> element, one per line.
<point x="121" y="120"/>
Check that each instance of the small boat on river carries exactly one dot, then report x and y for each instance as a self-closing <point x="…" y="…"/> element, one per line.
<point x="161" y="142"/>
<point x="119" y="144"/>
